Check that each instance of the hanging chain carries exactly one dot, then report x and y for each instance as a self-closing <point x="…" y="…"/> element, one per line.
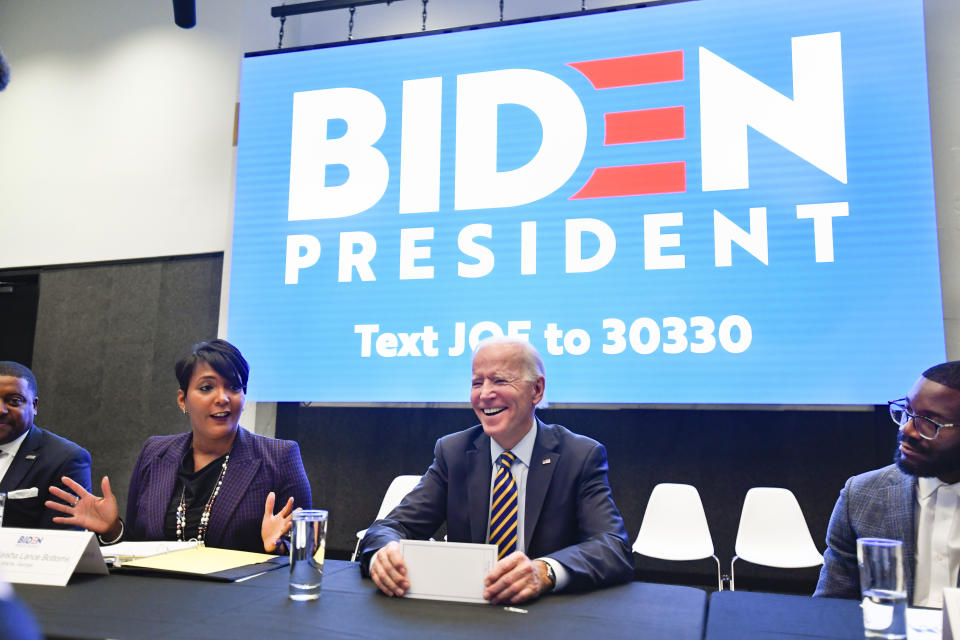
<point x="423" y="17"/>
<point x="353" y="10"/>
<point x="280" y="41"/>
<point x="583" y="5"/>
<point x="501" y="10"/>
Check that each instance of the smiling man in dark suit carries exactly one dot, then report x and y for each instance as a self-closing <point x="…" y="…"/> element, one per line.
<point x="31" y="459"/>
<point x="538" y="491"/>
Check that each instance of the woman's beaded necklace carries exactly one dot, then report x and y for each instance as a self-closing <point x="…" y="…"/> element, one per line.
<point x="205" y="516"/>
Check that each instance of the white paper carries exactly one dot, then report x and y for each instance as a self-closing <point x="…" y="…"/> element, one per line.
<point x="116" y="554"/>
<point x="447" y="570"/>
<point x="48" y="556"/>
<point x="950" y="618"/>
<point x="923" y="624"/>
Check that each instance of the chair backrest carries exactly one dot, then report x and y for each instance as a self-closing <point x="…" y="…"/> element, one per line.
<point x="674" y="526"/>
<point x="397" y="491"/>
<point x="773" y="531"/>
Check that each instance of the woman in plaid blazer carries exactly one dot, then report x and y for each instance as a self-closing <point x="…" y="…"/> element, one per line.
<point x="216" y="483"/>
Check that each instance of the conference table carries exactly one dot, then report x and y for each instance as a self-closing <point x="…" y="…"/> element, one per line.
<point x="140" y="606"/>
<point x="746" y="615"/>
<point x="130" y="605"/>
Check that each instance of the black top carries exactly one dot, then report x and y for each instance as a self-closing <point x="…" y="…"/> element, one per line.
<point x="196" y="487"/>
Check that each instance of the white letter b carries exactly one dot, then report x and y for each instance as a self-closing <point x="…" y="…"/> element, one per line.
<point x="311" y="152"/>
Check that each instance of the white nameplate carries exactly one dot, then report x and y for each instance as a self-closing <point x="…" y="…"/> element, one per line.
<point x="951" y="614"/>
<point x="48" y="556"/>
<point x="447" y="570"/>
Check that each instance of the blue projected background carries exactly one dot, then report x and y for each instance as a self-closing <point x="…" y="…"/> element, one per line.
<point x="731" y="203"/>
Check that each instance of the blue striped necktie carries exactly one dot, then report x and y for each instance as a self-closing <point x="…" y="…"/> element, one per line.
<point x="503" y="509"/>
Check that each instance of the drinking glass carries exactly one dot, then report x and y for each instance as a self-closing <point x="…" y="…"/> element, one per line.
<point x="308" y="541"/>
<point x="883" y="588"/>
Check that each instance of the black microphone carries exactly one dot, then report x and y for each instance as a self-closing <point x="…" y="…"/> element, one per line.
<point x="185" y="13"/>
<point x="4" y="72"/>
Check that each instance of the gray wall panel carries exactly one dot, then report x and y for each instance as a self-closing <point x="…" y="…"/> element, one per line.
<point x="107" y="338"/>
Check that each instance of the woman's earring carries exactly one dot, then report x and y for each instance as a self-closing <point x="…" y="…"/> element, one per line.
<point x="184" y="409"/>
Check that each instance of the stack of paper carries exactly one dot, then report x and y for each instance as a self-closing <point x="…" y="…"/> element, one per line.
<point x="201" y="560"/>
<point x="124" y="552"/>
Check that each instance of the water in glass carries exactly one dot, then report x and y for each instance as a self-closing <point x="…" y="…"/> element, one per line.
<point x="885" y="614"/>
<point x="307" y="545"/>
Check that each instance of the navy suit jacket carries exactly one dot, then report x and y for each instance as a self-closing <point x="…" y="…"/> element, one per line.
<point x="42" y="460"/>
<point x="257" y="466"/>
<point x="569" y="513"/>
<point x="875" y="504"/>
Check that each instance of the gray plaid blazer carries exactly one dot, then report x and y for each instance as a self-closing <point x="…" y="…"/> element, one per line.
<point x="258" y="465"/>
<point x="875" y="504"/>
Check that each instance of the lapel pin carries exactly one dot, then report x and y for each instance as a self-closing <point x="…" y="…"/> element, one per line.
<point x="546" y="461"/>
<point x="31" y="456"/>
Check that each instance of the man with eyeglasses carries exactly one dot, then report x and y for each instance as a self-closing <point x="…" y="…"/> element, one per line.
<point x="916" y="499"/>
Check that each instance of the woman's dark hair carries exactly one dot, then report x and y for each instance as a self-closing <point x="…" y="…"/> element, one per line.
<point x="223" y="357"/>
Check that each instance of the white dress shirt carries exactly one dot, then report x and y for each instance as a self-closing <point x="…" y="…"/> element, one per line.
<point x="938" y="540"/>
<point x="524" y="452"/>
<point x="8" y="451"/>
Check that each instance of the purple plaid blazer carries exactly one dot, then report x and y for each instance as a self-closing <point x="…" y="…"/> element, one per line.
<point x="258" y="465"/>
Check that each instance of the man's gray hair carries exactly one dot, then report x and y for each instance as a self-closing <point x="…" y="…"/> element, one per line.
<point x="532" y="362"/>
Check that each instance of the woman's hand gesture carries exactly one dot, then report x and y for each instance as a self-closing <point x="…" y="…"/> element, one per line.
<point x="275" y="526"/>
<point x="86" y="510"/>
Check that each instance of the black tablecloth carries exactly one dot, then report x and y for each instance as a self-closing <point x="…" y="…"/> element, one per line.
<point x="125" y="606"/>
<point x="744" y="615"/>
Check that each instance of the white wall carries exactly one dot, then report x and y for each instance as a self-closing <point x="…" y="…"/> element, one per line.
<point x="116" y="129"/>
<point x="942" y="18"/>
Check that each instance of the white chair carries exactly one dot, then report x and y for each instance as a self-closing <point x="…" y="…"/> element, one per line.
<point x="773" y="532"/>
<point x="675" y="527"/>
<point x="398" y="489"/>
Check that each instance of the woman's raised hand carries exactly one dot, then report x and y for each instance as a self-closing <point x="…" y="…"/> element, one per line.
<point x="274" y="526"/>
<point x="86" y="510"/>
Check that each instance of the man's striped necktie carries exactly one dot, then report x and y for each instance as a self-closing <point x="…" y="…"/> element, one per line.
<point x="503" y="509"/>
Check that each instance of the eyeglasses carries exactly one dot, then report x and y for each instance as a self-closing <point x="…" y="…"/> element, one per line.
<point x="927" y="428"/>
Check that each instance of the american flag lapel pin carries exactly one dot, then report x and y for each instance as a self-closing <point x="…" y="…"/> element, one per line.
<point x="546" y="461"/>
<point x="31" y="456"/>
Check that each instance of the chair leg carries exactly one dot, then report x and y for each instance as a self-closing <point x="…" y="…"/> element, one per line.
<point x="353" y="558"/>
<point x="732" y="587"/>
<point x="719" y="577"/>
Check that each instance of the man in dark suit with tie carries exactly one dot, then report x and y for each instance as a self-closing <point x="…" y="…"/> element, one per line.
<point x="538" y="491"/>
<point x="915" y="500"/>
<point x="31" y="459"/>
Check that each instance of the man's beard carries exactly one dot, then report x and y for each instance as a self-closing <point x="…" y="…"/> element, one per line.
<point x="933" y="466"/>
<point x="907" y="467"/>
